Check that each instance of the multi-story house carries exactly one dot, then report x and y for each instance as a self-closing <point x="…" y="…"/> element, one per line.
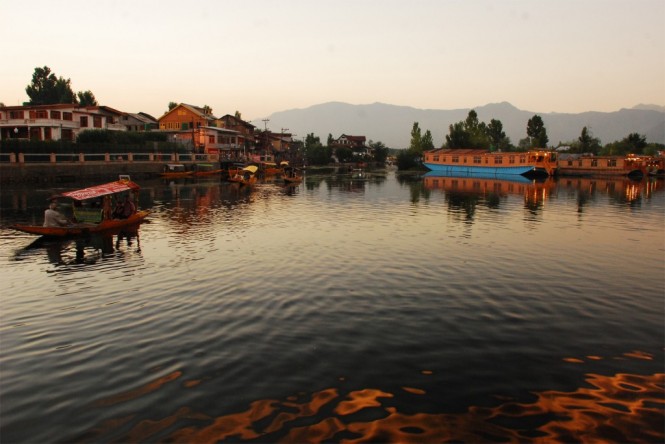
<point x="355" y="143"/>
<point x="62" y="121"/>
<point x="200" y="130"/>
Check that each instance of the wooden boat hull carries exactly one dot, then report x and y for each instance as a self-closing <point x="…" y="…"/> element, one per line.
<point x="177" y="175"/>
<point x="207" y="173"/>
<point x="83" y="229"/>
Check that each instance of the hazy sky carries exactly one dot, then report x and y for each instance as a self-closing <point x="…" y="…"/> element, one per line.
<point x="260" y="57"/>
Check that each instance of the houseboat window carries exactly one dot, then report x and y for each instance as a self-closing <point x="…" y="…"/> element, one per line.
<point x="498" y="159"/>
<point x="552" y="157"/>
<point x="84" y="121"/>
<point x="522" y="159"/>
<point x="594" y="163"/>
<point x="579" y="163"/>
<point x="455" y="159"/>
<point x="465" y="160"/>
<point x="487" y="160"/>
<point x="97" y="121"/>
<point x="55" y="115"/>
<point x="612" y="163"/>
<point x="436" y="158"/>
<point x="570" y="162"/>
<point x="477" y="159"/>
<point x="15" y="114"/>
<point x="511" y="159"/>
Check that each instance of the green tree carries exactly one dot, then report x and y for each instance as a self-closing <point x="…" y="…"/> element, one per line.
<point x="315" y="153"/>
<point x="637" y="142"/>
<point x="380" y="151"/>
<point x="172" y="105"/>
<point x="416" y="138"/>
<point x="87" y="98"/>
<point x="535" y="129"/>
<point x="427" y="142"/>
<point x="344" y="154"/>
<point x="586" y="143"/>
<point x="330" y="140"/>
<point x="497" y="137"/>
<point x="47" y="89"/>
<point x="457" y="136"/>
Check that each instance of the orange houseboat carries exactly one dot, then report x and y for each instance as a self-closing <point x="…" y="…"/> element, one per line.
<point x="474" y="161"/>
<point x="580" y="165"/>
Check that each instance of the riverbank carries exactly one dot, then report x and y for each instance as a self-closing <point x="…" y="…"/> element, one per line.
<point x="63" y="172"/>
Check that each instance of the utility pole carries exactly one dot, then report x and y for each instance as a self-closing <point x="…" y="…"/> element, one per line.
<point x="265" y="135"/>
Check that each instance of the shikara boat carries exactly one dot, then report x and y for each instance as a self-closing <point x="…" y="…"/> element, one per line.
<point x="91" y="210"/>
<point x="174" y="170"/>
<point x="475" y="161"/>
<point x="246" y="176"/>
<point x="290" y="174"/>
<point x="205" y="169"/>
<point x="230" y="168"/>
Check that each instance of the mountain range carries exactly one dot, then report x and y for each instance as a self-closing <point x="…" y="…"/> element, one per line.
<point x="392" y="124"/>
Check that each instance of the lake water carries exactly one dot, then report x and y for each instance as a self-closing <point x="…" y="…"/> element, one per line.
<point x="393" y="308"/>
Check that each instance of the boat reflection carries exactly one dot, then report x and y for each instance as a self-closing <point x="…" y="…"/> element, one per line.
<point x="466" y="191"/>
<point x="84" y="250"/>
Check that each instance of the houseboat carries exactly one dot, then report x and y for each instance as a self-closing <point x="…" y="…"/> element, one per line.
<point x="585" y="165"/>
<point x="474" y="161"/>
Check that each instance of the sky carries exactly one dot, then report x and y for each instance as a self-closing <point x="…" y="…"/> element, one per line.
<point x="259" y="57"/>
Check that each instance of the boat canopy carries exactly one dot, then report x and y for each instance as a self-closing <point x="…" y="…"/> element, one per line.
<point x="251" y="168"/>
<point x="118" y="186"/>
<point x="284" y="163"/>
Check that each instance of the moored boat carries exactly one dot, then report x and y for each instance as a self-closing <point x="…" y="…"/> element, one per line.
<point x="474" y="161"/>
<point x="91" y="210"/>
<point x="290" y="174"/>
<point x="174" y="170"/>
<point x="246" y="176"/>
<point x="205" y="169"/>
<point x="584" y="165"/>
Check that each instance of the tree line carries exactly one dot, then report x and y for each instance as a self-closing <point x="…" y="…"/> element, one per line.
<point x="473" y="134"/>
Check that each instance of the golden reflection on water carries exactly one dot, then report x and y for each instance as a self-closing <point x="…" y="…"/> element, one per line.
<point x="617" y="408"/>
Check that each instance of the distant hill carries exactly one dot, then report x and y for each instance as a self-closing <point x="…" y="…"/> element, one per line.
<point x="391" y="124"/>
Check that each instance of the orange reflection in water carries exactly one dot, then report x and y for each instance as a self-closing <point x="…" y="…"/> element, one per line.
<point x="618" y="408"/>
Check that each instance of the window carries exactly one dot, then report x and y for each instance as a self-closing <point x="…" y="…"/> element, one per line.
<point x="435" y="159"/>
<point x="97" y="121"/>
<point x="612" y="163"/>
<point x="55" y="115"/>
<point x="511" y="159"/>
<point x="477" y="159"/>
<point x="84" y="121"/>
<point x="522" y="159"/>
<point x="38" y="114"/>
<point x="211" y="139"/>
<point x="570" y="162"/>
<point x="594" y="163"/>
<point x="47" y="133"/>
<point x="16" y="114"/>
<point x="455" y="159"/>
<point x="498" y="160"/>
<point x="67" y="116"/>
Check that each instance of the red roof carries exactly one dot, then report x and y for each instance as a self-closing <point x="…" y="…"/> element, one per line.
<point x="102" y="190"/>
